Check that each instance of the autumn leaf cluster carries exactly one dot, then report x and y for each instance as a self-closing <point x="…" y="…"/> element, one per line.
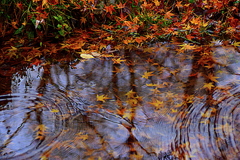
<point x="30" y="30"/>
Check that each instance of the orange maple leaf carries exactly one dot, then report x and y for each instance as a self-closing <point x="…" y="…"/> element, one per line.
<point x="140" y="39"/>
<point x="168" y="15"/>
<point x="212" y="78"/>
<point x="196" y="21"/>
<point x="156" y="2"/>
<point x="83" y="20"/>
<point x="120" y="5"/>
<point x="109" y="9"/>
<point x="179" y="5"/>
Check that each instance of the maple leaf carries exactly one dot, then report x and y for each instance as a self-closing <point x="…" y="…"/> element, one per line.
<point x="208" y="85"/>
<point x="212" y="78"/>
<point x="81" y="136"/>
<point x="127" y="115"/>
<point x="236" y="44"/>
<point x="83" y="20"/>
<point x="109" y="38"/>
<point x="140" y="39"/>
<point x="130" y="94"/>
<point x="158" y="104"/>
<point x="127" y="23"/>
<point x="122" y="17"/>
<point x="44" y="2"/>
<point x="12" y="52"/>
<point x="36" y="62"/>
<point x="109" y="9"/>
<point x="156" y="2"/>
<point x="102" y="98"/>
<point x="147" y="74"/>
<point x="41" y="127"/>
<point x="187" y="46"/>
<point x="179" y="5"/>
<point x="168" y="15"/>
<point x="120" y="5"/>
<point x="118" y="61"/>
<point x="195" y="21"/>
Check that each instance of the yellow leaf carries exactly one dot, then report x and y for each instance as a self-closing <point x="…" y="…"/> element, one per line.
<point x="127" y="115"/>
<point x="109" y="38"/>
<point x="147" y="74"/>
<point x="44" y="158"/>
<point x="151" y="85"/>
<point x="82" y="136"/>
<point x="118" y="61"/>
<point x="41" y="127"/>
<point x="174" y="110"/>
<point x="158" y="104"/>
<point x="54" y="110"/>
<point x="130" y="94"/>
<point x="195" y="21"/>
<point x="236" y="44"/>
<point x="204" y="24"/>
<point x="86" y="56"/>
<point x="208" y="85"/>
<point x="102" y="98"/>
<point x="187" y="47"/>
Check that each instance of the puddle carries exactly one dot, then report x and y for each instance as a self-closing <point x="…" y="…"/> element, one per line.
<point x="160" y="105"/>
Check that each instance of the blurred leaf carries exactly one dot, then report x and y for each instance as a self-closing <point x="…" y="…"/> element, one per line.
<point x="86" y="56"/>
<point x="102" y="98"/>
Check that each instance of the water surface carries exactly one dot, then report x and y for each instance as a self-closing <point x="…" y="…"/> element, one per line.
<point x="159" y="104"/>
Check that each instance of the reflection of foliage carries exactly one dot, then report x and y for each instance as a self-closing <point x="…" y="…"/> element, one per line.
<point x="137" y="105"/>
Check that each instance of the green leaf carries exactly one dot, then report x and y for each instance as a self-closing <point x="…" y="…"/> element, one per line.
<point x="59" y="26"/>
<point x="61" y="32"/>
<point x="19" y="30"/>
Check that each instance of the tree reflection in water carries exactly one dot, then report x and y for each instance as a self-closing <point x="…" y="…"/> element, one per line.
<point x="185" y="107"/>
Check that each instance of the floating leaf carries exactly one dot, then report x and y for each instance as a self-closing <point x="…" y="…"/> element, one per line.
<point x="209" y="86"/>
<point x="147" y="74"/>
<point x="102" y="98"/>
<point x="86" y="56"/>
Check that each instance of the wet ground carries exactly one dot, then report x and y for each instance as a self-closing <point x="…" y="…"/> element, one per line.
<point x="157" y="104"/>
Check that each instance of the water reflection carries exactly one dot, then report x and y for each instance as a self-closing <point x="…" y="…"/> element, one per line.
<point x="158" y="105"/>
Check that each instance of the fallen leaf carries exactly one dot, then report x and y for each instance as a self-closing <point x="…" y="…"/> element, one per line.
<point x="147" y="74"/>
<point x="86" y="56"/>
<point x="102" y="98"/>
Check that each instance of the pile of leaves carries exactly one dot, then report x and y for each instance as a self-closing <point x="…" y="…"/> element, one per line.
<point x="30" y="29"/>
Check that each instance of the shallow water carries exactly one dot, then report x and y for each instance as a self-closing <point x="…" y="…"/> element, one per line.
<point x="155" y="106"/>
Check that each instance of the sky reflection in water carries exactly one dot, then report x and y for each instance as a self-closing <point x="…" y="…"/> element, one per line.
<point x="160" y="106"/>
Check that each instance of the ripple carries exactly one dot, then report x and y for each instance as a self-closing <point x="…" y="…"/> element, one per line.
<point x="207" y="131"/>
<point x="32" y="125"/>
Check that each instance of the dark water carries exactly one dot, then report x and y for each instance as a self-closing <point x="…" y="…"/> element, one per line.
<point x="184" y="109"/>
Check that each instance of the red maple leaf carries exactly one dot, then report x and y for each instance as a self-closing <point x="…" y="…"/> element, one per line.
<point x="109" y="9"/>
